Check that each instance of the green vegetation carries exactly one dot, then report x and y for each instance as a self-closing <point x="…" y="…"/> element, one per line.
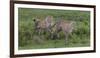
<point x="29" y="40"/>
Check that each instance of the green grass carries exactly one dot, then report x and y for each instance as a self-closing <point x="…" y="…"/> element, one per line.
<point x="27" y="37"/>
<point x="53" y="44"/>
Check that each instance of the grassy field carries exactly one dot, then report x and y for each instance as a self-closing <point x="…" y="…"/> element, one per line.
<point x="27" y="37"/>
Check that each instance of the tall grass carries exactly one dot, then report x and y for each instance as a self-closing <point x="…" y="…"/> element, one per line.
<point x="27" y="38"/>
